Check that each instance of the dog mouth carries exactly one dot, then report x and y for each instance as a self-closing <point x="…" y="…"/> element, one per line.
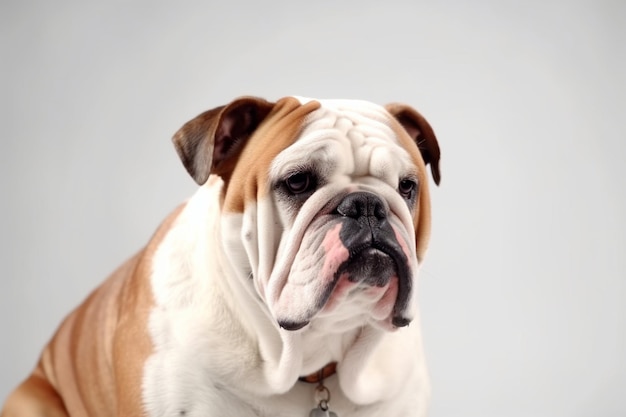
<point x="366" y="269"/>
<point x="377" y="265"/>
<point x="369" y="266"/>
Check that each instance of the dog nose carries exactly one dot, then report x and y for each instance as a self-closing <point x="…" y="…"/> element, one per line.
<point x="362" y="204"/>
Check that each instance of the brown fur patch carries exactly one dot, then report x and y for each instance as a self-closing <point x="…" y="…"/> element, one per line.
<point x="279" y="130"/>
<point x="421" y="216"/>
<point x="94" y="363"/>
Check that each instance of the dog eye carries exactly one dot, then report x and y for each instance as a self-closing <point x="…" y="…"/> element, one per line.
<point x="300" y="182"/>
<point x="406" y="188"/>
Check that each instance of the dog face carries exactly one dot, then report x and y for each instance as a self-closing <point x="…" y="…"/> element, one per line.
<point x="325" y="204"/>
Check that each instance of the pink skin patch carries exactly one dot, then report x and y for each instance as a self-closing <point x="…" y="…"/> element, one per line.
<point x="335" y="254"/>
<point x="384" y="306"/>
<point x="401" y="242"/>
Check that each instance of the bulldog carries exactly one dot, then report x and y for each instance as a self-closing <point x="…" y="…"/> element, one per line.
<point x="285" y="286"/>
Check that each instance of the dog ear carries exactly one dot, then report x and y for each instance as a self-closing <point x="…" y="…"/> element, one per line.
<point x="211" y="142"/>
<point x="421" y="132"/>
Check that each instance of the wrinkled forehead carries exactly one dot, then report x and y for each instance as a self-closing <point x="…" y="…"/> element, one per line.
<point x="350" y="137"/>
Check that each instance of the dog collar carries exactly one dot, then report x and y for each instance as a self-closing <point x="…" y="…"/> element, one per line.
<point x="321" y="375"/>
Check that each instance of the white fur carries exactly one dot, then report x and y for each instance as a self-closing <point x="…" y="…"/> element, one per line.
<point x="218" y="350"/>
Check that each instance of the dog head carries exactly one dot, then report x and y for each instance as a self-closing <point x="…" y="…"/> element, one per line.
<point x="325" y="204"/>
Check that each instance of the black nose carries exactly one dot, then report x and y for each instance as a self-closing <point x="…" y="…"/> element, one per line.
<point x="362" y="204"/>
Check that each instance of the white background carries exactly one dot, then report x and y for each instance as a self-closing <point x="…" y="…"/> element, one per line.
<point x="524" y="291"/>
